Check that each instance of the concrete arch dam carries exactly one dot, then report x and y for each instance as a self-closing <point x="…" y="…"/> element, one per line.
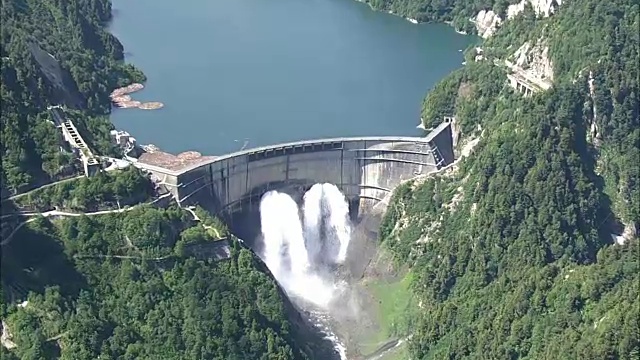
<point x="365" y="169"/>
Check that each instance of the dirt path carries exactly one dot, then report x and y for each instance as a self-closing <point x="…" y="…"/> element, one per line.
<point x="65" y="213"/>
<point x="17" y="196"/>
<point x="207" y="227"/>
<point x="33" y="216"/>
<point x="121" y="257"/>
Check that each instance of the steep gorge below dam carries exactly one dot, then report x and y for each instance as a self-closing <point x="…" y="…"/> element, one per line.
<point x="309" y="245"/>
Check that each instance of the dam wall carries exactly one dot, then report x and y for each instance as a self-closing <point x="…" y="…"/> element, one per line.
<point x="366" y="169"/>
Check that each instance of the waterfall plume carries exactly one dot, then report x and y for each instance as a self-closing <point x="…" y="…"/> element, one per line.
<point x="302" y="250"/>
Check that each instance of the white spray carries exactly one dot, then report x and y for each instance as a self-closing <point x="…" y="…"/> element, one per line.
<point x="312" y="210"/>
<point x="285" y="253"/>
<point x="300" y="256"/>
<point x="272" y="230"/>
<point x="339" y="225"/>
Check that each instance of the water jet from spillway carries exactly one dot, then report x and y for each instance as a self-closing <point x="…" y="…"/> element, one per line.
<point x="312" y="210"/>
<point x="305" y="246"/>
<point x="339" y="227"/>
<point x="300" y="250"/>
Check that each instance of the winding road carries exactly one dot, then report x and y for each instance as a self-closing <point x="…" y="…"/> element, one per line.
<point x="17" y="196"/>
<point x="51" y="213"/>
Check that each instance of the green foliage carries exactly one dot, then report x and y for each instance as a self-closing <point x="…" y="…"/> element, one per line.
<point x="140" y="302"/>
<point x="90" y="66"/>
<point x="210" y="221"/>
<point x="105" y="190"/>
<point x="456" y="12"/>
<point x="511" y="255"/>
<point x="150" y="228"/>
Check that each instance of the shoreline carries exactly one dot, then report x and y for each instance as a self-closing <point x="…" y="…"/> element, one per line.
<point x="122" y="99"/>
<point x="411" y="20"/>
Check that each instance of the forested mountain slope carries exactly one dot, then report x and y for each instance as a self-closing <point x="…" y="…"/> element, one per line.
<point x="512" y="253"/>
<point x="54" y="52"/>
<point x="125" y="286"/>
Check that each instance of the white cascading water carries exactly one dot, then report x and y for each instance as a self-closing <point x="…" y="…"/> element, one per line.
<point x="284" y="253"/>
<point x="339" y="224"/>
<point x="300" y="252"/>
<point x="312" y="212"/>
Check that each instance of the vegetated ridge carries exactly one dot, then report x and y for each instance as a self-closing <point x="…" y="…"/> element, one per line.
<point x="528" y="248"/>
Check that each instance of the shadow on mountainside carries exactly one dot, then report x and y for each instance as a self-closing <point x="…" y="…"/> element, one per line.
<point x="34" y="260"/>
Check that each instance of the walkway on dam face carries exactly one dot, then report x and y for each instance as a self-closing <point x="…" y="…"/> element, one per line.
<point x="413" y="154"/>
<point x="157" y="170"/>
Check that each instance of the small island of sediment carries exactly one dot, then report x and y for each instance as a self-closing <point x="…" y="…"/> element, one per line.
<point x="153" y="105"/>
<point x="121" y="98"/>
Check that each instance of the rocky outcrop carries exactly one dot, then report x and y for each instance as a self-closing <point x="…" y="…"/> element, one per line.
<point x="531" y="68"/>
<point x="535" y="59"/>
<point x="630" y="232"/>
<point x="5" y="339"/>
<point x="593" y="135"/>
<point x="543" y="8"/>
<point x="487" y="21"/>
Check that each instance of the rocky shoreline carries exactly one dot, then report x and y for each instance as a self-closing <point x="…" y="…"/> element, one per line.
<point x="121" y="98"/>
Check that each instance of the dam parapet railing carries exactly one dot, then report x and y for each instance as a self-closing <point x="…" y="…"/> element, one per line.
<point x="364" y="168"/>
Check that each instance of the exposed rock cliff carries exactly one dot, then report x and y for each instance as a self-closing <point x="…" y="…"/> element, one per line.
<point x="535" y="59"/>
<point x="487" y="21"/>
<point x="594" y="136"/>
<point x="544" y="8"/>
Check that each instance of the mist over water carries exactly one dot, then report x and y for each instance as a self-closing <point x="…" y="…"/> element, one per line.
<point x="303" y="245"/>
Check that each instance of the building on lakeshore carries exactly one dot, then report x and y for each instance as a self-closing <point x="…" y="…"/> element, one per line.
<point x="122" y="138"/>
<point x="125" y="141"/>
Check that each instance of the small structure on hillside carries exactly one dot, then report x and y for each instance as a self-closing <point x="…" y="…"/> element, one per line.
<point x="531" y="70"/>
<point x="78" y="146"/>
<point x="122" y="139"/>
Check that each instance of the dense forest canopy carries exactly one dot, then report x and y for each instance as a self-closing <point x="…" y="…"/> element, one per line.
<point x="512" y="253"/>
<point x="124" y="290"/>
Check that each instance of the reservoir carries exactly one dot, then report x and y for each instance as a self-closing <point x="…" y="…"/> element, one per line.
<point x="234" y="73"/>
